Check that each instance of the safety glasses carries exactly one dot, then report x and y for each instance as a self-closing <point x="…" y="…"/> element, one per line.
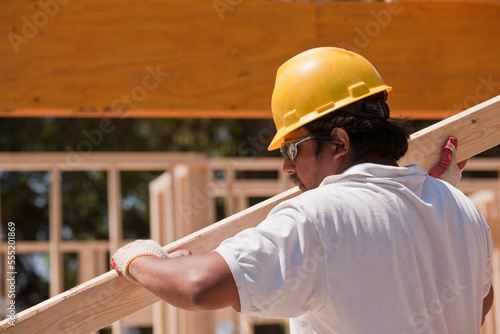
<point x="289" y="148"/>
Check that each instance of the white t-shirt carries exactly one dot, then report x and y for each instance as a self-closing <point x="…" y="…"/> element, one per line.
<point x="376" y="249"/>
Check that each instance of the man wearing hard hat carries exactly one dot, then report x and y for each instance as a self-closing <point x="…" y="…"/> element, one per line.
<point x="368" y="247"/>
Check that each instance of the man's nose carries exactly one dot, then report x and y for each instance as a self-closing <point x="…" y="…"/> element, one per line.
<point x="288" y="166"/>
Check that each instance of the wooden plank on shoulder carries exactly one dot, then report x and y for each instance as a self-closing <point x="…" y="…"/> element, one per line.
<point x="107" y="298"/>
<point x="477" y="130"/>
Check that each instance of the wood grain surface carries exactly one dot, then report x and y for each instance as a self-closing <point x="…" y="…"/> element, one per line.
<point x="188" y="58"/>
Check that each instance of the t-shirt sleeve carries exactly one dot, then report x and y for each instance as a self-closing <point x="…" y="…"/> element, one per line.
<point x="278" y="266"/>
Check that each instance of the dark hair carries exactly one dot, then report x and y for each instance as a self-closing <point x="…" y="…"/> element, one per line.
<point x="369" y="128"/>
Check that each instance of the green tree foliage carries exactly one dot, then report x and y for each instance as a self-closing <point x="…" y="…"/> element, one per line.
<point x="216" y="137"/>
<point x="25" y="201"/>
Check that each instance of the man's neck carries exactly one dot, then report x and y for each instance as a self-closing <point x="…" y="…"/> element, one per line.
<point x="374" y="159"/>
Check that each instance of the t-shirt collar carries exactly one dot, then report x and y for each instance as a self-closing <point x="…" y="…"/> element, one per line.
<point x="372" y="170"/>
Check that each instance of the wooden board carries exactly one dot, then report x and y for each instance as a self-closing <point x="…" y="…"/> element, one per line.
<point x="477" y="129"/>
<point x="91" y="55"/>
<point x="107" y="298"/>
<point x="90" y="58"/>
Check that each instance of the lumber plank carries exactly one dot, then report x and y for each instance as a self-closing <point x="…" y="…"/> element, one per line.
<point x="424" y="114"/>
<point x="477" y="129"/>
<point x="98" y="302"/>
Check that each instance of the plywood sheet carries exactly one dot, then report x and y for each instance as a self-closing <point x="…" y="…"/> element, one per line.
<point x="189" y="58"/>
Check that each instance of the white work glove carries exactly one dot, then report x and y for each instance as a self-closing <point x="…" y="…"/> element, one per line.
<point x="124" y="256"/>
<point x="448" y="169"/>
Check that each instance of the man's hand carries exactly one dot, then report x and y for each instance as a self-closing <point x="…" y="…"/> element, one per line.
<point x="448" y="169"/>
<point x="124" y="256"/>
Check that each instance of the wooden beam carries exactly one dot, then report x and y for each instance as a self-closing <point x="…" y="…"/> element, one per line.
<point x="99" y="302"/>
<point x="477" y="129"/>
<point x="115" y="223"/>
<point x="189" y="113"/>
<point x="137" y="113"/>
<point x="56" y="285"/>
<point x="80" y="160"/>
<point x="93" y="57"/>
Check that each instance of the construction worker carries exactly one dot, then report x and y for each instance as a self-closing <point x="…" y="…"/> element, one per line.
<point x="368" y="247"/>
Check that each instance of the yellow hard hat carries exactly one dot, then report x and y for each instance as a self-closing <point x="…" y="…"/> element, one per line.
<point x="317" y="82"/>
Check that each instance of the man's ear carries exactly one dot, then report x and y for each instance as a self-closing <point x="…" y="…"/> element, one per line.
<point x="342" y="143"/>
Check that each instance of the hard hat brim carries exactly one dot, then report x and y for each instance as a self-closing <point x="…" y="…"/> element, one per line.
<point x="279" y="138"/>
